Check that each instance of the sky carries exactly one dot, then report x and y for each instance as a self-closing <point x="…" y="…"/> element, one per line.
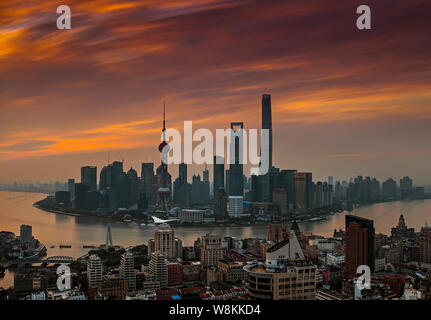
<point x="344" y="101"/>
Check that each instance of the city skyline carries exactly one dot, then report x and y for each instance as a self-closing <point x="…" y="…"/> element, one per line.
<point x="336" y="111"/>
<point x="199" y="169"/>
<point x="215" y="155"/>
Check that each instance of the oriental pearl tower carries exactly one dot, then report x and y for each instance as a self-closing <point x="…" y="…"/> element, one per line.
<point x="163" y="176"/>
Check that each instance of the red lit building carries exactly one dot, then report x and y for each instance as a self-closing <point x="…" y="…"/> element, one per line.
<point x="175" y="273"/>
<point x="360" y="244"/>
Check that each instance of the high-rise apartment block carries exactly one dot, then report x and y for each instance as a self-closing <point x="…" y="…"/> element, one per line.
<point x="127" y="269"/>
<point x="157" y="267"/>
<point x="235" y="206"/>
<point x="94" y="271"/>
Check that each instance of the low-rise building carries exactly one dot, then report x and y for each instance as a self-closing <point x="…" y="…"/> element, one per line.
<point x="194" y="216"/>
<point x="232" y="271"/>
<point x="285" y="275"/>
<point x="112" y="288"/>
<point x="334" y="259"/>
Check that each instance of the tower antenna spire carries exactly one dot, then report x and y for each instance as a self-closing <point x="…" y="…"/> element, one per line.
<point x="164" y="122"/>
<point x="164" y="116"/>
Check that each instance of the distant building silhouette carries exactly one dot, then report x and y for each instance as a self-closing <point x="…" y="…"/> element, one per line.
<point x="267" y="124"/>
<point x="220" y="204"/>
<point x="218" y="174"/>
<point x="89" y="177"/>
<point x="71" y="189"/>
<point x="147" y="180"/>
<point x="236" y="182"/>
<point x="406" y="188"/>
<point x="182" y="189"/>
<point x="303" y="189"/>
<point x="389" y="189"/>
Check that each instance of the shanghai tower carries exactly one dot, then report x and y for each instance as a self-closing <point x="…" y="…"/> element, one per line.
<point x="267" y="124"/>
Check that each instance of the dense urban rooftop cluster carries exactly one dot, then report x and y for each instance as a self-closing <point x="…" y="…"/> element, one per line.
<point x="287" y="265"/>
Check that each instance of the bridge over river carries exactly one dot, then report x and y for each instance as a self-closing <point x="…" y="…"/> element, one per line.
<point x="53" y="259"/>
<point x="58" y="259"/>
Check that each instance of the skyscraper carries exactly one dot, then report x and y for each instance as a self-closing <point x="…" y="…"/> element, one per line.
<point x="133" y="187"/>
<point x="406" y="187"/>
<point x="264" y="183"/>
<point x="206" y="175"/>
<point x="303" y="191"/>
<point x="359" y="250"/>
<point x="197" y="193"/>
<point x="255" y="192"/>
<point x="71" y="188"/>
<point x="114" y="181"/>
<point x="389" y="189"/>
<point x="267" y="124"/>
<point x="227" y="172"/>
<point x="105" y="180"/>
<point x="218" y="174"/>
<point x="181" y="186"/>
<point x="183" y="173"/>
<point x="143" y="202"/>
<point x="290" y="187"/>
<point x="236" y="182"/>
<point x="206" y="185"/>
<point x="147" y="179"/>
<point x="81" y="196"/>
<point x="220" y="203"/>
<point x="89" y="176"/>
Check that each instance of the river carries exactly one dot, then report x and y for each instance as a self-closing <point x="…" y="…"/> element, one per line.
<point x="55" y="229"/>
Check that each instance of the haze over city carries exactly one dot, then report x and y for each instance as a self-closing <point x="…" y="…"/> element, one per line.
<point x="344" y="102"/>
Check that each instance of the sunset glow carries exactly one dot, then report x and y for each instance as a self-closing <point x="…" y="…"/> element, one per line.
<point x="95" y="91"/>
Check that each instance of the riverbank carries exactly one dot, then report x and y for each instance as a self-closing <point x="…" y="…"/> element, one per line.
<point x="134" y="217"/>
<point x="55" y="229"/>
<point x="313" y="217"/>
<point x="35" y="205"/>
